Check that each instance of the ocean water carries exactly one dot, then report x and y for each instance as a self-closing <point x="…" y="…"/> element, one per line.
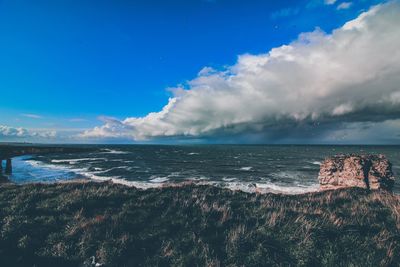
<point x="287" y="169"/>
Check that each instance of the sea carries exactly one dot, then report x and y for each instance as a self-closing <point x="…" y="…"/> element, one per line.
<point x="290" y="169"/>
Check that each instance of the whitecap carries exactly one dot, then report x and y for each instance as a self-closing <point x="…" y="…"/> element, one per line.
<point x="136" y="184"/>
<point x="246" y="168"/>
<point x="75" y="160"/>
<point x="39" y="164"/>
<point x="298" y="189"/>
<point x="158" y="179"/>
<point x="270" y="188"/>
<point x="226" y="179"/>
<point x="248" y="187"/>
<point x="128" y="168"/>
<point x="114" y="151"/>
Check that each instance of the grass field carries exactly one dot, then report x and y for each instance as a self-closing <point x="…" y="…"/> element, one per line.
<point x="77" y="224"/>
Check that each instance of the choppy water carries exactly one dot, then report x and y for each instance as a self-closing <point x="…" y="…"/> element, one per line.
<point x="290" y="169"/>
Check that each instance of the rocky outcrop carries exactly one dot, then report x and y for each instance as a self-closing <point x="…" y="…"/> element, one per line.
<point x="365" y="171"/>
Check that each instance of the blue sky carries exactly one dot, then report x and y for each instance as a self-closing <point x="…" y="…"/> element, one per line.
<point x="66" y="64"/>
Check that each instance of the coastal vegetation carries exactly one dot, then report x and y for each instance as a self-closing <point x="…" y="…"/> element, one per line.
<point x="104" y="224"/>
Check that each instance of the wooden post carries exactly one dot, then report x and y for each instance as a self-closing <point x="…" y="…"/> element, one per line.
<point x="8" y="166"/>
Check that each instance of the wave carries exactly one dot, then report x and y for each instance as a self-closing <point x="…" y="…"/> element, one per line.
<point x="85" y="171"/>
<point x="40" y="164"/>
<point x="128" y="168"/>
<point x="158" y="179"/>
<point x="246" y="168"/>
<point x="248" y="187"/>
<point x="76" y="160"/>
<point x="197" y="178"/>
<point x="226" y="179"/>
<point x="235" y="186"/>
<point x="114" y="151"/>
<point x="79" y="172"/>
<point x="27" y="170"/>
<point x="118" y="180"/>
<point x="93" y="176"/>
<point x="270" y="188"/>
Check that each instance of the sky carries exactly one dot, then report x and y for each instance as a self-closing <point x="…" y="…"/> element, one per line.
<point x="200" y="71"/>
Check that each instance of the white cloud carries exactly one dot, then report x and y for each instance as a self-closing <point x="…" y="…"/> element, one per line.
<point x="19" y="132"/>
<point x="7" y="131"/>
<point x="342" y="109"/>
<point x="329" y="2"/>
<point x="350" y="75"/>
<point x="344" y="5"/>
<point x="31" y="116"/>
<point x="45" y="134"/>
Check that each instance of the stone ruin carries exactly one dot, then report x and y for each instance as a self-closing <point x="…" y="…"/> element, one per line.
<point x="365" y="171"/>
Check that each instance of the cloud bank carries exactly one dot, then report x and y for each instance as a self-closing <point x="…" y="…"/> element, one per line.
<point x="9" y="133"/>
<point x="313" y="86"/>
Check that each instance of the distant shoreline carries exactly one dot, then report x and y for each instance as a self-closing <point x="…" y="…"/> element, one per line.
<point x="147" y="186"/>
<point x="131" y="184"/>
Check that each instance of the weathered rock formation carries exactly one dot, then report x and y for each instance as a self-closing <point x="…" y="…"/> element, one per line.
<point x="365" y="171"/>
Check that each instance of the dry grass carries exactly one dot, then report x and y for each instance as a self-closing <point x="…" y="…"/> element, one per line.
<point x="191" y="225"/>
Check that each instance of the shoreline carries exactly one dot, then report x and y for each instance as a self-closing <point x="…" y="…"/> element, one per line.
<point x="247" y="187"/>
<point x="169" y="185"/>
